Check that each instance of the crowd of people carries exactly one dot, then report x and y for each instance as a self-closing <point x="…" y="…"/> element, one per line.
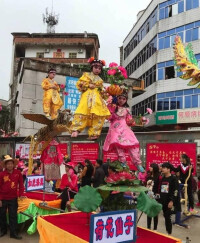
<point x="163" y="183"/>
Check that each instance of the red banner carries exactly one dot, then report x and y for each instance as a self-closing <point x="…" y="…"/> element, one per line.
<point x="113" y="156"/>
<point x="82" y="151"/>
<point x="63" y="148"/>
<point x="164" y="152"/>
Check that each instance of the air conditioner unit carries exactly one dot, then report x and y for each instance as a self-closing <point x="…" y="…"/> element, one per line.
<point x="80" y="50"/>
<point x="46" y="50"/>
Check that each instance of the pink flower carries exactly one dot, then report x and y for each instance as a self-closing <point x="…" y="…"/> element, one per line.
<point x="144" y="119"/>
<point x="1" y="107"/>
<point x="113" y="64"/>
<point x="62" y="86"/>
<point x="15" y="134"/>
<point x="147" y="121"/>
<point x="123" y="71"/>
<point x="65" y="93"/>
<point x="112" y="72"/>
<point x="149" y="111"/>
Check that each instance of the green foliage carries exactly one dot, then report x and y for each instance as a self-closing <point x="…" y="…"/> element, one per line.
<point x="116" y="202"/>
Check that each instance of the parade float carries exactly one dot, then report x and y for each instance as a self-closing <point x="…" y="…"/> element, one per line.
<point x="118" y="217"/>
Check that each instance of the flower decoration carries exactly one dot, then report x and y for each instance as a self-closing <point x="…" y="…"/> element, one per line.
<point x="62" y="86"/>
<point x="91" y="59"/>
<point x="65" y="93"/>
<point x="149" y="110"/>
<point x="123" y="177"/>
<point x="103" y="62"/>
<point x="1" y="107"/>
<point x="116" y="74"/>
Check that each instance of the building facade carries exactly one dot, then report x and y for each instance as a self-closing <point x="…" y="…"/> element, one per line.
<point x="148" y="55"/>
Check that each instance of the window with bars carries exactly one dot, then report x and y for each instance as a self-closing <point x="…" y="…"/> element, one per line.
<point x="72" y="55"/>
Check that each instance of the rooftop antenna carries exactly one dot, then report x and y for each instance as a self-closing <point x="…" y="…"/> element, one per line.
<point x="51" y="19"/>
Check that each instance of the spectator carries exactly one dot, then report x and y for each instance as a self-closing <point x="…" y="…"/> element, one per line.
<point x="87" y="173"/>
<point x="154" y="178"/>
<point x="36" y="167"/>
<point x="20" y="164"/>
<point x="105" y="167"/>
<point x="10" y="180"/>
<point x="99" y="175"/>
<point x="68" y="186"/>
<point x="168" y="194"/>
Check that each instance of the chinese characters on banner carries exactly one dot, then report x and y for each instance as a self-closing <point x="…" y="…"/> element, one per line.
<point x="112" y="227"/>
<point x="22" y="149"/>
<point x="82" y="151"/>
<point x="188" y="115"/>
<point x="73" y="97"/>
<point x="34" y="182"/>
<point x="164" y="152"/>
<point x="113" y="156"/>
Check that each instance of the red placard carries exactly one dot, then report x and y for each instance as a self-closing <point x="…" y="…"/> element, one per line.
<point x="164" y="152"/>
<point x="63" y="148"/>
<point x="113" y="156"/>
<point x="82" y="151"/>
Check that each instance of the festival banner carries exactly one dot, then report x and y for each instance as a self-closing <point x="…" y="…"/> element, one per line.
<point x="73" y="97"/>
<point x="22" y="149"/>
<point x="34" y="183"/>
<point x="113" y="156"/>
<point x="63" y="148"/>
<point x="112" y="227"/>
<point x="164" y="152"/>
<point x="82" y="151"/>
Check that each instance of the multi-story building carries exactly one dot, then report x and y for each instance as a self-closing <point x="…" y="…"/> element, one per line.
<point x="148" y="55"/>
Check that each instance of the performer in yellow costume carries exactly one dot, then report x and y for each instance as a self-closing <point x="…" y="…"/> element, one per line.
<point x="92" y="110"/>
<point x="51" y="98"/>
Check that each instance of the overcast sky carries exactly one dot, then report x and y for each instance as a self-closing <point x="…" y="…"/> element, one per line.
<point x="111" y="20"/>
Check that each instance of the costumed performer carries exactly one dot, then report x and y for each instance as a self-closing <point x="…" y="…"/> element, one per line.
<point x="92" y="110"/>
<point x="183" y="168"/>
<point x="52" y="158"/>
<point x="51" y="98"/>
<point x="69" y="186"/>
<point x="120" y="137"/>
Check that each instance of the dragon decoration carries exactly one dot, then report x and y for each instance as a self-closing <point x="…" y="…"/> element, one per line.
<point x="186" y="62"/>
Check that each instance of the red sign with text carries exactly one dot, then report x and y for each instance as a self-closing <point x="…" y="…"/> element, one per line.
<point x="113" y="156"/>
<point x="63" y="148"/>
<point x="82" y="151"/>
<point x="164" y="152"/>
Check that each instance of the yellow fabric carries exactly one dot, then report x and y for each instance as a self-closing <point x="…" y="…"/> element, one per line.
<point x="50" y="233"/>
<point x="23" y="204"/>
<point x="91" y="101"/>
<point x="51" y="98"/>
<point x="94" y="123"/>
<point x="92" y="110"/>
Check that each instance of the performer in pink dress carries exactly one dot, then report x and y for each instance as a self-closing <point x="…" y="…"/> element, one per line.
<point x="120" y="137"/>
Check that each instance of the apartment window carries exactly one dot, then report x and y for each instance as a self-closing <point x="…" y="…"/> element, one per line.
<point x="169" y="72"/>
<point x="40" y="54"/>
<point x="140" y="108"/>
<point x="173" y="10"/>
<point x="190" y="4"/>
<point x="192" y="34"/>
<point x="72" y="55"/>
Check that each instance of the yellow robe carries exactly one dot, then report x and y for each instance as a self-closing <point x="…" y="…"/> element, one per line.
<point x="92" y="110"/>
<point x="51" y="98"/>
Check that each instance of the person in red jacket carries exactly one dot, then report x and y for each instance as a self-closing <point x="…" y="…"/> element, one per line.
<point x="68" y="185"/>
<point x="11" y="185"/>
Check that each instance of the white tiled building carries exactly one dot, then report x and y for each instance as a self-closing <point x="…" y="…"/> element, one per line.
<point x="148" y="54"/>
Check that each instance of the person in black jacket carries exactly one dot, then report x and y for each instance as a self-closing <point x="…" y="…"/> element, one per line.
<point x="99" y="174"/>
<point x="87" y="173"/>
<point x="183" y="168"/>
<point x="168" y="194"/>
<point x="153" y="179"/>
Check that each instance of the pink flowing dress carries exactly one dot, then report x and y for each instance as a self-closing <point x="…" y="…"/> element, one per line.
<point x="120" y="134"/>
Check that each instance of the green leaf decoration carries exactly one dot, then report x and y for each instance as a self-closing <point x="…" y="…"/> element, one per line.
<point x="87" y="199"/>
<point x="148" y="205"/>
<point x="122" y="188"/>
